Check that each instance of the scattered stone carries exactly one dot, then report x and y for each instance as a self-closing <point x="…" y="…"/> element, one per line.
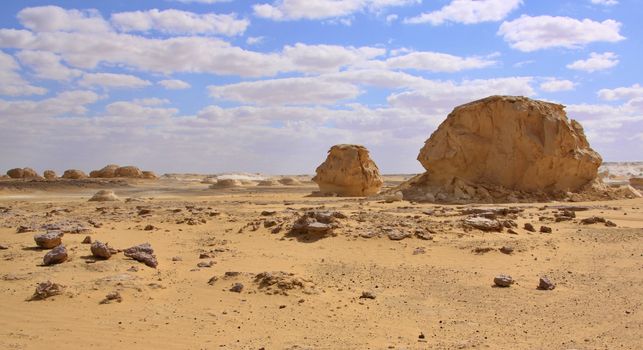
<point x="419" y="250"/>
<point x="483" y="224"/>
<point x="104" y="196"/>
<point x="609" y="223"/>
<point x="47" y="289"/>
<point x="57" y="255"/>
<point x="503" y="281"/>
<point x="177" y="258"/>
<point x="282" y="282"/>
<point x="368" y="234"/>
<point x="507" y="249"/>
<point x="4" y="247"/>
<point x="228" y="274"/>
<point x="512" y="231"/>
<point x="348" y="171"/>
<point x="237" y="287"/>
<point x="25" y="228"/>
<point x="205" y="263"/>
<point x="142" y="253"/>
<point x="423" y="234"/>
<point x="318" y="227"/>
<point x="529" y="227"/>
<point x="48" y="240"/>
<point x="114" y="296"/>
<point x="482" y="250"/>
<point x="367" y="295"/>
<point x="87" y="240"/>
<point x="545" y="229"/>
<point x="213" y="280"/>
<point x="268" y="213"/>
<point x="398" y="235"/>
<point x="101" y="250"/>
<point x="149" y="227"/>
<point x="546" y="284"/>
<point x="592" y="220"/>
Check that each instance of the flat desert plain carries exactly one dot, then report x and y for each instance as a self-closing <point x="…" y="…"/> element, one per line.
<point x="232" y="275"/>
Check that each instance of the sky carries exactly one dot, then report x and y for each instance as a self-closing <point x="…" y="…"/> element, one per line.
<point x="269" y="86"/>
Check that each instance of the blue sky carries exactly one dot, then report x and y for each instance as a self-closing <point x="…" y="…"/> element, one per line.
<point x="269" y="86"/>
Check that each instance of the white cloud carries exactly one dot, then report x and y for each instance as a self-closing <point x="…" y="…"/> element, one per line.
<point x="179" y="22"/>
<point x="112" y="80"/>
<point x="54" y="18"/>
<point x="595" y="62"/>
<point x="47" y="65"/>
<point x="202" y="1"/>
<point x="73" y="102"/>
<point x="437" y="62"/>
<point x="255" y="40"/>
<point x="468" y="12"/>
<point x="325" y="58"/>
<point x="621" y="93"/>
<point x="287" y="91"/>
<point x="556" y="85"/>
<point x="284" y="10"/>
<point x="174" y="84"/>
<point x="12" y="84"/>
<point x="605" y="2"/>
<point x="542" y="32"/>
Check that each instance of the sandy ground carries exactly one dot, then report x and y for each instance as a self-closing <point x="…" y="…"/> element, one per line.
<point x="429" y="294"/>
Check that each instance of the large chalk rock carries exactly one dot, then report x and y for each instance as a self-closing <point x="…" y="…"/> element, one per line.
<point x="348" y="171"/>
<point x="514" y="142"/>
<point x="129" y="171"/>
<point x="108" y="171"/>
<point x="74" y="174"/>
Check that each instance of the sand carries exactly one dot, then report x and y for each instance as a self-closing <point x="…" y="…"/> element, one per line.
<point x="429" y="294"/>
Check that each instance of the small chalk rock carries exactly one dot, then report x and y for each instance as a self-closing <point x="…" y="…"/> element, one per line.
<point x="546" y="284"/>
<point x="503" y="281"/>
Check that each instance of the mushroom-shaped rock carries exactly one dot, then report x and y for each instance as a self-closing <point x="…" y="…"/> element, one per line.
<point x="129" y="171"/>
<point x="108" y="171"/>
<point x="104" y="196"/>
<point x="48" y="240"/>
<point x="74" y="174"/>
<point x="55" y="256"/>
<point x="49" y="174"/>
<point x="514" y="142"/>
<point x="29" y="173"/>
<point x="348" y="171"/>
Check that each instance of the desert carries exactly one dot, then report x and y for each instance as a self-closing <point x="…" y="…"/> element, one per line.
<point x="321" y="175"/>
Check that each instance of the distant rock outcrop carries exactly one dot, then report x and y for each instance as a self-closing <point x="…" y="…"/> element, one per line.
<point x="289" y="181"/>
<point x="348" y="171"/>
<point x="74" y="174"/>
<point x="22" y="173"/>
<point x="226" y="183"/>
<point x="504" y="147"/>
<point x="49" y="174"/>
<point x="149" y="175"/>
<point x="107" y="172"/>
<point x="129" y="172"/>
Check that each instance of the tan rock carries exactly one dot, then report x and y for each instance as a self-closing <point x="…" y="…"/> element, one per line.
<point x="289" y="181"/>
<point x="129" y="171"/>
<point x="149" y="175"/>
<point x="269" y="182"/>
<point x="49" y="174"/>
<point x="74" y="174"/>
<point x="29" y="173"/>
<point x="513" y="142"/>
<point x="104" y="196"/>
<point x="109" y="171"/>
<point x="348" y="171"/>
<point x="16" y="173"/>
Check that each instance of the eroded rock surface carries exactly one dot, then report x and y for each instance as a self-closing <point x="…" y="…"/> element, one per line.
<point x="348" y="171"/>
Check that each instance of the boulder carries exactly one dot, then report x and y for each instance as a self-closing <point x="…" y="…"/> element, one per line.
<point x="48" y="240"/>
<point x="29" y="173"/>
<point x="515" y="143"/>
<point x="74" y="174"/>
<point x="57" y="255"/>
<point x="148" y="175"/>
<point x="49" y="174"/>
<point x="129" y="172"/>
<point x="104" y="196"/>
<point x="109" y="171"/>
<point x="348" y="171"/>
<point x="16" y="173"/>
<point x="100" y="250"/>
<point x="289" y="181"/>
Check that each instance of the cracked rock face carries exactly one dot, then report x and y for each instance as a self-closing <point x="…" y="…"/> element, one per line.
<point x="514" y="142"/>
<point x="348" y="171"/>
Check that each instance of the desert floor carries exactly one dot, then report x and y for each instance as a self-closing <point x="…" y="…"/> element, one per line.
<point x="429" y="294"/>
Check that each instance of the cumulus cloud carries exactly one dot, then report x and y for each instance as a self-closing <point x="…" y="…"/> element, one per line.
<point x="324" y="58"/>
<point x="605" y="2"/>
<point x="12" y="83"/>
<point x="54" y="19"/>
<point x="437" y="62"/>
<point x="285" y="10"/>
<point x="73" y="102"/>
<point x="47" y="65"/>
<point x="542" y="32"/>
<point x="287" y="91"/>
<point x="179" y="22"/>
<point x="595" y="62"/>
<point x="621" y="93"/>
<point x="556" y="85"/>
<point x="112" y="80"/>
<point x="174" y="84"/>
<point x="468" y="12"/>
